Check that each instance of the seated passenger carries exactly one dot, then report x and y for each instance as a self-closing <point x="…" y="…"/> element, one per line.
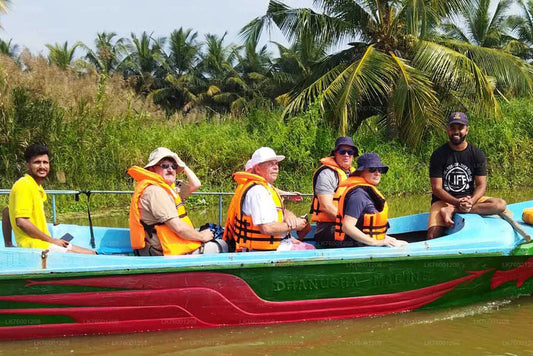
<point x="26" y="206"/>
<point x="158" y="221"/>
<point x="458" y="175"/>
<point x="295" y="197"/>
<point x="257" y="219"/>
<point x="362" y="211"/>
<point x="326" y="180"/>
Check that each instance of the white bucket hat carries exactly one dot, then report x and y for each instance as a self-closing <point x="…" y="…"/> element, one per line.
<point x="162" y="152"/>
<point x="263" y="154"/>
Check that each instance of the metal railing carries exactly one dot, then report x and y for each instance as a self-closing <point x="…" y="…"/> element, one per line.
<point x="77" y="193"/>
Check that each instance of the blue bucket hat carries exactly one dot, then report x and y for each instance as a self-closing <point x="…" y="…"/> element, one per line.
<point x="345" y="141"/>
<point x="370" y="160"/>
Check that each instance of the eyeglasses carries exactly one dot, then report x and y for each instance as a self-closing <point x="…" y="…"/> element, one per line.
<point x="381" y="170"/>
<point x="168" y="165"/>
<point x="342" y="152"/>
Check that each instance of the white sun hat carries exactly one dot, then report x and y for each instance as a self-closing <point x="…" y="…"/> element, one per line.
<point x="263" y="154"/>
<point x="162" y="152"/>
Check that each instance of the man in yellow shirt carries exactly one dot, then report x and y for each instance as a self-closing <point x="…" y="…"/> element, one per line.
<point x="26" y="206"/>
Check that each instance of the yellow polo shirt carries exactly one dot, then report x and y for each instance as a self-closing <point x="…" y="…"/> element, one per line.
<point x="26" y="200"/>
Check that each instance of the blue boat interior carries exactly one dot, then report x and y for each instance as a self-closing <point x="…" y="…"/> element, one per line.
<point x="472" y="234"/>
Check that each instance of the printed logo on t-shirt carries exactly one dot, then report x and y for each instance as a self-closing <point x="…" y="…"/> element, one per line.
<point x="457" y="178"/>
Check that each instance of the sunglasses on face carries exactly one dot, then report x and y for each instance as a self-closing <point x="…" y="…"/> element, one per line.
<point x="342" y="152"/>
<point x="378" y="169"/>
<point x="168" y="165"/>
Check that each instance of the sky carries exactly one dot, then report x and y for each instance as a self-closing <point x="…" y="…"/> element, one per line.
<point x="35" y="23"/>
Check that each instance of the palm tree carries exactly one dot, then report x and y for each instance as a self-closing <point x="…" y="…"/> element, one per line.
<point x="182" y="76"/>
<point x="478" y="26"/>
<point x="522" y="26"/>
<point x="295" y="64"/>
<point x="184" y="51"/>
<point x="8" y="49"/>
<point x="220" y="80"/>
<point x="62" y="55"/>
<point x="217" y="59"/>
<point x="394" y="67"/>
<point x="142" y="64"/>
<point x="106" y="58"/>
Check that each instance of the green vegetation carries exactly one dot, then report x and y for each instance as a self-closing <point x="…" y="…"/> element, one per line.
<point x="97" y="130"/>
<point x="400" y="65"/>
<point x="404" y="65"/>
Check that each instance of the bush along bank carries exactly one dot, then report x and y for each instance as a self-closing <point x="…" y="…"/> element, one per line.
<point x="92" y="148"/>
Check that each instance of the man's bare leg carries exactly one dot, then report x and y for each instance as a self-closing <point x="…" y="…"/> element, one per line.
<point x="489" y="206"/>
<point x="78" y="249"/>
<point x="434" y="232"/>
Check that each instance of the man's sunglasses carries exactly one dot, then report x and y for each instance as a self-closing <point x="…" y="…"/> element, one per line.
<point x="381" y="170"/>
<point x="342" y="152"/>
<point x="168" y="165"/>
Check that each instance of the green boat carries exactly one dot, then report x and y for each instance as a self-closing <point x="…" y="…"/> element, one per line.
<point x="46" y="294"/>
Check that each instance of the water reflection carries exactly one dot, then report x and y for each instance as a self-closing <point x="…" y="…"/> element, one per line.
<point x="479" y="329"/>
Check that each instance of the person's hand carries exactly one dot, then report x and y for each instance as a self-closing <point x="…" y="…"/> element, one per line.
<point x="465" y="204"/>
<point x="301" y="224"/>
<point x="59" y="242"/>
<point x="207" y="235"/>
<point x="290" y="219"/>
<point x="392" y="242"/>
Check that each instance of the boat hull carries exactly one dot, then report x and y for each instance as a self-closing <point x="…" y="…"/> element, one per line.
<point x="66" y="304"/>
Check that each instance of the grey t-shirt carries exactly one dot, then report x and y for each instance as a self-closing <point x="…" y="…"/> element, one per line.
<point x="326" y="182"/>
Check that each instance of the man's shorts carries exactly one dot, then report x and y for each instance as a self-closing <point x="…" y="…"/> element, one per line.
<point x="57" y="248"/>
<point x="435" y="218"/>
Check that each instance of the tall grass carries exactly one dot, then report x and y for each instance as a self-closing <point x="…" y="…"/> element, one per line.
<point x="96" y="128"/>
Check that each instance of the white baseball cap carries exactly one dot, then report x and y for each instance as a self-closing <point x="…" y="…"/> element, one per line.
<point x="162" y="152"/>
<point x="263" y="154"/>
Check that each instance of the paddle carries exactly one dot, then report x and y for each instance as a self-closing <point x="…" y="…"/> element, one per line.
<point x="506" y="215"/>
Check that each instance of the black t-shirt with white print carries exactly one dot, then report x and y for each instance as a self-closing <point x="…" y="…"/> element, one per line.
<point x="457" y="169"/>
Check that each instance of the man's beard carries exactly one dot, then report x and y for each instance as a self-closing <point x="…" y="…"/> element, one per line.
<point x="457" y="140"/>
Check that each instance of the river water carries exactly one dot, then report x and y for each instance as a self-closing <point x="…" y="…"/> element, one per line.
<point x="491" y="328"/>
<point x="496" y="328"/>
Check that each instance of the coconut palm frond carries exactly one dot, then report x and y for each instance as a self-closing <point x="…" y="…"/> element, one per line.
<point x="510" y="71"/>
<point x="454" y="71"/>
<point x="414" y="105"/>
<point x="343" y="87"/>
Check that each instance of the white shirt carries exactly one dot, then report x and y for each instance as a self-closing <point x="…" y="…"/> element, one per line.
<point x="259" y="204"/>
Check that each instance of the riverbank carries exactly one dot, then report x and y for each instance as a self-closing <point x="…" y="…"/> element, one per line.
<point x="95" y="133"/>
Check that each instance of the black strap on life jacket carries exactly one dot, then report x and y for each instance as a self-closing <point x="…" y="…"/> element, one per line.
<point x="150" y="229"/>
<point x="242" y="227"/>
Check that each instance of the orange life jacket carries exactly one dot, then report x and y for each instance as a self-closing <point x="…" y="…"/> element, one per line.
<point x="327" y="162"/>
<point x="239" y="227"/>
<point x="171" y="242"/>
<point x="374" y="225"/>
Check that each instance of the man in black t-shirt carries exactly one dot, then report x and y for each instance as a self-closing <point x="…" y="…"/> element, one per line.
<point x="458" y="174"/>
